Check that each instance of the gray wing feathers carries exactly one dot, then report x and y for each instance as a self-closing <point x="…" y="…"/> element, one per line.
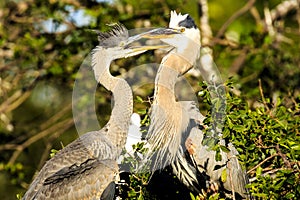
<point x="205" y="158"/>
<point x="92" y="145"/>
<point x="207" y="163"/>
<point x="87" y="181"/>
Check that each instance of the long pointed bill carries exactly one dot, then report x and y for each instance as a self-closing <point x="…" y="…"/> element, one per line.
<point x="138" y="50"/>
<point x="158" y="33"/>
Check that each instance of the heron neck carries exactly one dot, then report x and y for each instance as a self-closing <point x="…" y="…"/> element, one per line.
<point x="168" y="118"/>
<point x="165" y="84"/>
<point x="121" y="112"/>
<point x="118" y="124"/>
<point x="171" y="68"/>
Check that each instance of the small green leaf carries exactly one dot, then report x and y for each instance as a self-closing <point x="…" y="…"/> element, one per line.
<point x="224" y="175"/>
<point x="258" y="171"/>
<point x="140" y="197"/>
<point x="139" y="99"/>
<point x="192" y="196"/>
<point x="225" y="149"/>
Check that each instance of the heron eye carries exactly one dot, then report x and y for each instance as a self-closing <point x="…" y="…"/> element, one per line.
<point x="182" y="30"/>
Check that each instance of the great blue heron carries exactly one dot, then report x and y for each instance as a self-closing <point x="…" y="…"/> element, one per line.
<point x="173" y="122"/>
<point x="87" y="167"/>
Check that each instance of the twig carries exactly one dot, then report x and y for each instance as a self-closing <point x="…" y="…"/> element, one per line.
<point x="9" y="100"/>
<point x="283" y="8"/>
<point x="284" y="158"/>
<point x="271" y="16"/>
<point x="8" y="147"/>
<point x="233" y="17"/>
<point x="18" y="101"/>
<point x="262" y="94"/>
<point x="60" y="125"/>
<point x="57" y="116"/>
<point x="43" y="126"/>
<point x="256" y="16"/>
<point x="266" y="173"/>
<point x="49" y="144"/>
<point x="238" y="63"/>
<point x="262" y="162"/>
<point x="269" y="22"/>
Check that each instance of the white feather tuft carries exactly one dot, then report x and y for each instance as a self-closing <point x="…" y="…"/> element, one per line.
<point x="176" y="18"/>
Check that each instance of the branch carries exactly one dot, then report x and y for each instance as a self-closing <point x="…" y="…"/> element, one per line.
<point x="283" y="8"/>
<point x="266" y="173"/>
<point x="231" y="180"/>
<point x="262" y="95"/>
<point x="65" y="124"/>
<point x="207" y="64"/>
<point x="57" y="116"/>
<point x="54" y="136"/>
<point x="9" y="100"/>
<point x="284" y="158"/>
<point x="280" y="11"/>
<point x="50" y="122"/>
<point x="262" y="162"/>
<point x="233" y="17"/>
<point x="206" y="33"/>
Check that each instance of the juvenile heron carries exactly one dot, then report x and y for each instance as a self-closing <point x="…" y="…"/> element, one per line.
<point x="87" y="167"/>
<point x="168" y="118"/>
<point x="175" y="123"/>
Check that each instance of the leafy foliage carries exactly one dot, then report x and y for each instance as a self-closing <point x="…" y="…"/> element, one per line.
<point x="43" y="45"/>
<point x="271" y="134"/>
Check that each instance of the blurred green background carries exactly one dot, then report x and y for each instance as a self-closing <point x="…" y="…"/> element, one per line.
<point x="44" y="42"/>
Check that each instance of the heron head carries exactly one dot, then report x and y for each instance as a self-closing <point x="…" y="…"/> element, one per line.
<point x="116" y="43"/>
<point x="186" y="25"/>
<point x="187" y="44"/>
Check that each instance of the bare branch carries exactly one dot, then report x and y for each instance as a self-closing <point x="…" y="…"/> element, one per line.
<point x="262" y="95"/>
<point x="206" y="60"/>
<point x="262" y="162"/>
<point x="64" y="125"/>
<point x="50" y="140"/>
<point x="284" y="158"/>
<point x="236" y="15"/>
<point x="271" y="172"/>
<point x="283" y="8"/>
<point x="206" y="33"/>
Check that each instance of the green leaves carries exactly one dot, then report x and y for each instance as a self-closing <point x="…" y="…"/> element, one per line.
<point x="224" y="175"/>
<point x="258" y="134"/>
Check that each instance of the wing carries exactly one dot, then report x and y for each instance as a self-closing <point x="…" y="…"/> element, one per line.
<point x="92" y="145"/>
<point x="93" y="179"/>
<point x="205" y="162"/>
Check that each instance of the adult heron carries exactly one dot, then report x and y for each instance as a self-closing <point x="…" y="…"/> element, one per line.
<point x="175" y="123"/>
<point x="87" y="167"/>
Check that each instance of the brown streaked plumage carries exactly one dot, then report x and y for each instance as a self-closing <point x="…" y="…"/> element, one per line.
<point x="174" y="123"/>
<point x="87" y="167"/>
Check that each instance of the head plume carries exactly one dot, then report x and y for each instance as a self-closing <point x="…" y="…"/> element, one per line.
<point x="179" y="20"/>
<point x="113" y="37"/>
